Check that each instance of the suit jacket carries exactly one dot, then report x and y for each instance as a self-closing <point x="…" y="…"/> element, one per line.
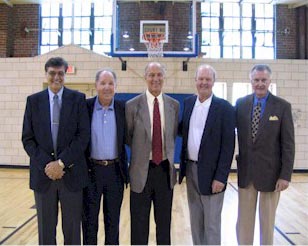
<point x="139" y="138"/>
<point x="217" y="143"/>
<point x="119" y="108"/>
<point x="271" y="156"/>
<point x="73" y="137"/>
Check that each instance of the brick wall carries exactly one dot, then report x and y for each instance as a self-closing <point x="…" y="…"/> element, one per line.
<point x="5" y="12"/>
<point x="286" y="43"/>
<point x="26" y="44"/>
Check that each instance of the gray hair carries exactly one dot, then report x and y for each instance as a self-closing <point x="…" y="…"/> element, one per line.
<point x="207" y="67"/>
<point x="162" y="67"/>
<point x="98" y="73"/>
<point x="260" y="67"/>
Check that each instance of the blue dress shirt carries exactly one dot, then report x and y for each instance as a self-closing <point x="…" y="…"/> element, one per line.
<point x="103" y="132"/>
<point x="262" y="101"/>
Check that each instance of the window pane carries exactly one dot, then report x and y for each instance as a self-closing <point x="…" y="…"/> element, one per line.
<point x="215" y="51"/>
<point x="77" y="37"/>
<point x="85" y="39"/>
<point x="67" y="8"/>
<point x="220" y="90"/>
<point x="247" y="9"/>
<point x="264" y="53"/>
<point x="77" y="8"/>
<point x="85" y="22"/>
<point x="214" y="38"/>
<point x="86" y="8"/>
<point x="67" y="37"/>
<point x="98" y="37"/>
<point x="260" y="24"/>
<point x="54" y="9"/>
<point x="259" y="10"/>
<point x="269" y="10"/>
<point x="259" y="39"/>
<point x="77" y="22"/>
<point x="215" y="23"/>
<point x="269" y="24"/>
<point x="246" y="38"/>
<point x="67" y="23"/>
<point x="54" y="23"/>
<point x="268" y="39"/>
<point x="45" y="10"/>
<point x="205" y="9"/>
<point x="240" y="90"/>
<point x="246" y="24"/>
<point x="215" y="9"/>
<point x="45" y="38"/>
<point x="206" y="38"/>
<point x="107" y="36"/>
<point x="46" y="23"/>
<point x="206" y="22"/>
<point x="53" y="37"/>
<point x="247" y="53"/>
<point x="228" y="52"/>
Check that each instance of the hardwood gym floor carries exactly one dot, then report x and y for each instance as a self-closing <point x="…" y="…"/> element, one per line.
<point x="18" y="215"/>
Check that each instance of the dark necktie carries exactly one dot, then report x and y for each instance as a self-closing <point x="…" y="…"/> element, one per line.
<point x="255" y="120"/>
<point x="157" y="153"/>
<point x="55" y="121"/>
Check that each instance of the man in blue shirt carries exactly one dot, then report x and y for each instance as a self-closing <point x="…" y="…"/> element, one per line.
<point x="266" y="156"/>
<point x="107" y="160"/>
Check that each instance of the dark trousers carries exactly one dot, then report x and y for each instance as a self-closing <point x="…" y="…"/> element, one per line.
<point x="47" y="214"/>
<point x="157" y="189"/>
<point x="106" y="181"/>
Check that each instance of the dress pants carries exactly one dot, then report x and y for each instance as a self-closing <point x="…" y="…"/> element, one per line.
<point x="205" y="211"/>
<point x="157" y="189"/>
<point x="47" y="214"/>
<point x="106" y="181"/>
<point x="268" y="202"/>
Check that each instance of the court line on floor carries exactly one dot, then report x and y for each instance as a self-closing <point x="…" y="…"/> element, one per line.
<point x="276" y="228"/>
<point x="17" y="229"/>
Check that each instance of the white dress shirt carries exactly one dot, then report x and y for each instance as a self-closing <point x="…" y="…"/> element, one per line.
<point x="150" y="101"/>
<point x="196" y="127"/>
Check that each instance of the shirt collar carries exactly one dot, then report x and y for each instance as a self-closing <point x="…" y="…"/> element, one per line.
<point x="206" y="103"/>
<point x="98" y="106"/>
<point x="151" y="98"/>
<point x="60" y="93"/>
<point x="262" y="100"/>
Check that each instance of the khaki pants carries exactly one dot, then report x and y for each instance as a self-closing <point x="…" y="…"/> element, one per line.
<point x="268" y="202"/>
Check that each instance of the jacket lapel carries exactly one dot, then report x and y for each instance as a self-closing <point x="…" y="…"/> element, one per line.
<point x="44" y="110"/>
<point x="66" y="108"/>
<point x="144" y="114"/>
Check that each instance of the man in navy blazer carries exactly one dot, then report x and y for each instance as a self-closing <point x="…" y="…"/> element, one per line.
<point x="207" y="128"/>
<point x="107" y="160"/>
<point x="58" y="169"/>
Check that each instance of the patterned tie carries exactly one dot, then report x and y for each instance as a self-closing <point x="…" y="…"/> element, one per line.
<point x="255" y="120"/>
<point x="157" y="153"/>
<point x="55" y="121"/>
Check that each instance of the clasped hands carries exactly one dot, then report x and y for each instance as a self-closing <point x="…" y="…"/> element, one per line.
<point x="54" y="171"/>
<point x="217" y="186"/>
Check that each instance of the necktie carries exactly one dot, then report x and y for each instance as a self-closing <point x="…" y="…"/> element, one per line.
<point x="55" y="121"/>
<point x="157" y="153"/>
<point x="255" y="120"/>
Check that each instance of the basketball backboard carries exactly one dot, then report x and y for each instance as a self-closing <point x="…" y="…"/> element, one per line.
<point x="174" y="22"/>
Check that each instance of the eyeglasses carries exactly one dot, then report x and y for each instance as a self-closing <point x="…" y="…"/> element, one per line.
<point x="53" y="74"/>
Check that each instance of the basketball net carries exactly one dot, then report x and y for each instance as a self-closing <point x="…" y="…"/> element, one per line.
<point x="154" y="44"/>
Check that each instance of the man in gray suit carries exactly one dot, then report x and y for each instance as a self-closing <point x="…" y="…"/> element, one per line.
<point x="266" y="156"/>
<point x="152" y="123"/>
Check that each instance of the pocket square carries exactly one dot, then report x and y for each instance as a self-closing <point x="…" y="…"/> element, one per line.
<point x="273" y="118"/>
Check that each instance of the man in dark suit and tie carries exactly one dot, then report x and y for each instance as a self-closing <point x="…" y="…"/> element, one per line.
<point x="55" y="136"/>
<point x="207" y="128"/>
<point x="107" y="160"/>
<point x="266" y="156"/>
<point x="152" y="124"/>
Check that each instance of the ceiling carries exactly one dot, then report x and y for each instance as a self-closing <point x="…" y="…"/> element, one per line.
<point x="290" y="3"/>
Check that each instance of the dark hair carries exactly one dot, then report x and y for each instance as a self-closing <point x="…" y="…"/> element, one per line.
<point x="98" y="73"/>
<point x="56" y="62"/>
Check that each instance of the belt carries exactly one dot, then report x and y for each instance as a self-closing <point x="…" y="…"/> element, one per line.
<point x="105" y="162"/>
<point x="191" y="161"/>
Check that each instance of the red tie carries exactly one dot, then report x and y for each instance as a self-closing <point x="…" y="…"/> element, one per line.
<point x="157" y="154"/>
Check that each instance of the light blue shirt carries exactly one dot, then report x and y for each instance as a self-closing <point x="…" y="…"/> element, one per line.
<point x="103" y="132"/>
<point x="262" y="101"/>
<point x="51" y="95"/>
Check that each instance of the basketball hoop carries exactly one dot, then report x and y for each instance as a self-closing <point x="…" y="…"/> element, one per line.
<point x="154" y="43"/>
